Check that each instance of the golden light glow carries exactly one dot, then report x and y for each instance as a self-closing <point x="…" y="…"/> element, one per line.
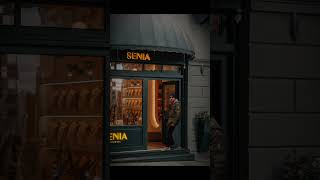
<point x="154" y="122"/>
<point x="138" y="56"/>
<point x="118" y="137"/>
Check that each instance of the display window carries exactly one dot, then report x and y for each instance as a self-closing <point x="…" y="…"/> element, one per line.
<point x="126" y="66"/>
<point x="153" y="67"/>
<point x="126" y="102"/>
<point x="53" y="111"/>
<point x="120" y="66"/>
<point x="171" y="68"/>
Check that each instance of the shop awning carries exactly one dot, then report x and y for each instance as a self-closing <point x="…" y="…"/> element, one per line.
<point x="156" y="32"/>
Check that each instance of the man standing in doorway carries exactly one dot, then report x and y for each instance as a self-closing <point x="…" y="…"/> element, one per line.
<point x="173" y="119"/>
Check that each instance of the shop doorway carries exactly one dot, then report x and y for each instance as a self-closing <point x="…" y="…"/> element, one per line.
<point x="159" y="92"/>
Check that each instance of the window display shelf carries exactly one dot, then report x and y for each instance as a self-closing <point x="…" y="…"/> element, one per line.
<point x="130" y="123"/>
<point x="131" y="98"/>
<point x="70" y="112"/>
<point x="133" y="107"/>
<point x="135" y="87"/>
<point x="78" y="149"/>
<point x="77" y="98"/>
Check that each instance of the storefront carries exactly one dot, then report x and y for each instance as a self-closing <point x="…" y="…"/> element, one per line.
<point x="140" y="85"/>
<point x="142" y="76"/>
<point x="66" y="89"/>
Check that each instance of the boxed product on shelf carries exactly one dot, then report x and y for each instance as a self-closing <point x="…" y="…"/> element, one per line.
<point x="72" y="99"/>
<point x="78" y="68"/>
<point x="73" y="132"/>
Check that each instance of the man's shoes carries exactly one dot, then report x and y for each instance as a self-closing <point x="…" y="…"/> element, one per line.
<point x="171" y="148"/>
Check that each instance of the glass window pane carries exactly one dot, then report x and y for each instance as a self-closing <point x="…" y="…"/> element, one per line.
<point x="144" y="67"/>
<point x="126" y="66"/>
<point x="6" y="14"/>
<point x="152" y="67"/>
<point x="171" y="68"/>
<point x="58" y="120"/>
<point x="63" y="16"/>
<point x="126" y="102"/>
<point x="113" y="66"/>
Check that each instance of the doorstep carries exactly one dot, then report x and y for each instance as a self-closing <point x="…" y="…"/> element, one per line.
<point x="155" y="155"/>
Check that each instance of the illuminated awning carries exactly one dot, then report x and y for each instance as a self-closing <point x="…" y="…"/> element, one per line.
<point x="155" y="32"/>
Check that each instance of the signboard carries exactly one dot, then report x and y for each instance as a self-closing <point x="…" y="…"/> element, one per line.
<point x="126" y="138"/>
<point x="135" y="55"/>
<point x="118" y="137"/>
<point x="145" y="56"/>
<point x="140" y="56"/>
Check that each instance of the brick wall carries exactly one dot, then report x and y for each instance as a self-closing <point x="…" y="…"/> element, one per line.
<point x="198" y="96"/>
<point x="198" y="84"/>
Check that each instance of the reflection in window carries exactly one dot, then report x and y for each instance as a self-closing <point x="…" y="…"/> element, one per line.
<point x="63" y="16"/>
<point x="6" y="14"/>
<point x="59" y="119"/>
<point x="126" y="102"/>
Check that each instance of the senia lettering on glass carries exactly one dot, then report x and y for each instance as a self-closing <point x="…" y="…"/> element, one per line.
<point x="118" y="137"/>
<point x="138" y="56"/>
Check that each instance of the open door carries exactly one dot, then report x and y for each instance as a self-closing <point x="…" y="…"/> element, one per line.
<point x="168" y="88"/>
<point x="157" y="107"/>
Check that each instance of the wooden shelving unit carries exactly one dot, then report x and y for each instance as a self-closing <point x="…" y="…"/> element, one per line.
<point x="70" y="115"/>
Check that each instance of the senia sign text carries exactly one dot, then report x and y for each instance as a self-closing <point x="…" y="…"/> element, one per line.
<point x="118" y="137"/>
<point x="138" y="56"/>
